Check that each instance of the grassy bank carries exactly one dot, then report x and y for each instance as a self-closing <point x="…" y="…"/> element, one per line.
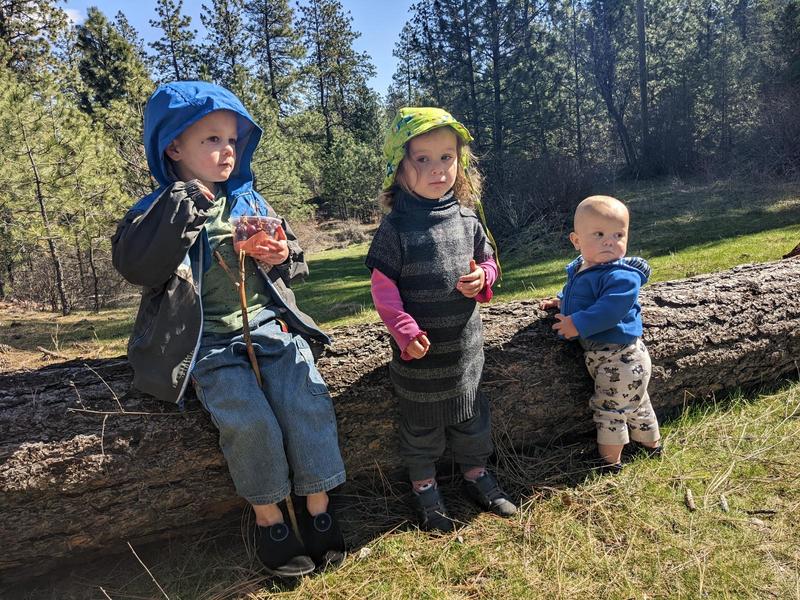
<point x="577" y="535"/>
<point x="682" y="229"/>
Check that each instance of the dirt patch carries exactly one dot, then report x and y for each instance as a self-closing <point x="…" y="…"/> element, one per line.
<point x="317" y="236"/>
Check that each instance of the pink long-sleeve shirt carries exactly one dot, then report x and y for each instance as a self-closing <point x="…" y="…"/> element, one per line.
<point x="401" y="325"/>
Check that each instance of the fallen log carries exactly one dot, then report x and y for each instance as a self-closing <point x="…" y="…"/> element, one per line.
<point x="88" y="463"/>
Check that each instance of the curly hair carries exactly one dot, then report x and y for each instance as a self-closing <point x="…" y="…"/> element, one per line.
<point x="467" y="187"/>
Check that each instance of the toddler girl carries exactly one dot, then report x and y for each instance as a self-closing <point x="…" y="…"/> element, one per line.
<point x="431" y="264"/>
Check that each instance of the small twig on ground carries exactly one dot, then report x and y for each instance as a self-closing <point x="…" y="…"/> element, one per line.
<point x="148" y="571"/>
<point x="104" y="593"/>
<point x="51" y="353"/>
<point x="113" y="393"/>
<point x="126" y="413"/>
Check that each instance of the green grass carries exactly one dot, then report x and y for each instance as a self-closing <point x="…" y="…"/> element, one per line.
<point x="577" y="535"/>
<point x="682" y="229"/>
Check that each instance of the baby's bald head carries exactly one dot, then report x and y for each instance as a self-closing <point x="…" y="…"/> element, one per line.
<point x="605" y="207"/>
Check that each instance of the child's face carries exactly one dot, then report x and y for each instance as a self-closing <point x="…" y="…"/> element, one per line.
<point x="206" y="150"/>
<point x="601" y="238"/>
<point x="431" y="163"/>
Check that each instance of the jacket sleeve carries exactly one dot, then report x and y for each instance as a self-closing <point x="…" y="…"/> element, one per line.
<point x="294" y="268"/>
<point x="617" y="296"/>
<point x="149" y="244"/>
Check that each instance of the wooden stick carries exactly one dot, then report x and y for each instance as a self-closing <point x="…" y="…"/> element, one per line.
<point x="51" y="353"/>
<point x="245" y="322"/>
<point x="239" y="285"/>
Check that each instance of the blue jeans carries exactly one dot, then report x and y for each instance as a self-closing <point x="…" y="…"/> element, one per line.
<point x="285" y="429"/>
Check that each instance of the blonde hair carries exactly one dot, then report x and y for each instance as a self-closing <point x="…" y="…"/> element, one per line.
<point x="466" y="188"/>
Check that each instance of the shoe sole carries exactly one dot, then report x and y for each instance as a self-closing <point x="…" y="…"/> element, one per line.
<point x="289" y="573"/>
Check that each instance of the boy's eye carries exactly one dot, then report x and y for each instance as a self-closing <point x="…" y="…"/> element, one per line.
<point x="213" y="139"/>
<point x="232" y="141"/>
<point x="447" y="157"/>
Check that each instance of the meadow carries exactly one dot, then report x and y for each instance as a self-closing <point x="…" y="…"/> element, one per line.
<point x="716" y="517"/>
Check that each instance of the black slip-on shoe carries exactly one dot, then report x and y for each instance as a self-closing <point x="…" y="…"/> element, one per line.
<point x="488" y="494"/>
<point x="431" y="511"/>
<point x="323" y="537"/>
<point x="281" y="553"/>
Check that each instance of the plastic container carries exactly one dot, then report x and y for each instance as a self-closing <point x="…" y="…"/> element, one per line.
<point x="246" y="227"/>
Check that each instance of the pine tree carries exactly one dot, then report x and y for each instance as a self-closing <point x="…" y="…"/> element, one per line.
<point x="60" y="167"/>
<point x="177" y="56"/>
<point x="276" y="46"/>
<point x="28" y="29"/>
<point x="336" y="69"/>
<point x="113" y="90"/>
<point x="109" y="65"/>
<point x="225" y="51"/>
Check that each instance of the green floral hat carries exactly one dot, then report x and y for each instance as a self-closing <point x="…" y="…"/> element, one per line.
<point x="410" y="122"/>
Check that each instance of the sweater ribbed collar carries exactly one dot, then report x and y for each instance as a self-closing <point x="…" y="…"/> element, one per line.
<point x="405" y="202"/>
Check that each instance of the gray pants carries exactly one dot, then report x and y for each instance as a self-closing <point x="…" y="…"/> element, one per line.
<point x="470" y="442"/>
<point x="620" y="401"/>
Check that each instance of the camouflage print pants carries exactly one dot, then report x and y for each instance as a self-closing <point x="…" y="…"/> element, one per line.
<point x="620" y="402"/>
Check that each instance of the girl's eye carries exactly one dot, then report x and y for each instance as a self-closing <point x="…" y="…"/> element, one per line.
<point x="422" y="159"/>
<point x="233" y="141"/>
<point x="447" y="157"/>
<point x="213" y="139"/>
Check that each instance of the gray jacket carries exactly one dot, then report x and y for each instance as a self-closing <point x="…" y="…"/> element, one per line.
<point x="161" y="245"/>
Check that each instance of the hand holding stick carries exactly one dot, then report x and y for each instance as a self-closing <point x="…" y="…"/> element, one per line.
<point x="239" y="285"/>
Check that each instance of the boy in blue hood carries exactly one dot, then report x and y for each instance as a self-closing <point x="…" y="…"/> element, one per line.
<point x="177" y="243"/>
<point x="600" y="307"/>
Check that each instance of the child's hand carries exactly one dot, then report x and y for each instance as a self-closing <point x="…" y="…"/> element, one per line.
<point x="418" y="347"/>
<point x="473" y="282"/>
<point x="194" y="186"/>
<point x="566" y="327"/>
<point x="272" y="251"/>
<point x="549" y="303"/>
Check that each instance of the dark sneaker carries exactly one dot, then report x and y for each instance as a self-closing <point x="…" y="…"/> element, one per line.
<point x="281" y="553"/>
<point x="489" y="495"/>
<point x="431" y="511"/>
<point x="649" y="452"/>
<point x="602" y="467"/>
<point x="323" y="537"/>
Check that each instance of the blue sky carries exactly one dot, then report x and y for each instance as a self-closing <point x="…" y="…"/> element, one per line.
<point x="379" y="23"/>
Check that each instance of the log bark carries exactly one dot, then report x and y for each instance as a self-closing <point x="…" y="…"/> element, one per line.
<point x="88" y="463"/>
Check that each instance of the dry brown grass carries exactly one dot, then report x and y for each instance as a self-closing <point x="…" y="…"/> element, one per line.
<point x="578" y="535"/>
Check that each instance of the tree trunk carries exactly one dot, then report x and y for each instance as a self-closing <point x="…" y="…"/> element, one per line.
<point x="87" y="463"/>
<point x="494" y="19"/>
<point x="642" y="47"/>
<point x="95" y="280"/>
<point x="577" y="91"/>
<point x="51" y="244"/>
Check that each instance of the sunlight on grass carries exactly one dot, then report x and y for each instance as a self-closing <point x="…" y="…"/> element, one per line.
<point x="682" y="229"/>
<point x="618" y="537"/>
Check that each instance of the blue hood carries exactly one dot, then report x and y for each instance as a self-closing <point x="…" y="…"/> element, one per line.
<point x="174" y="106"/>
<point x="631" y="263"/>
